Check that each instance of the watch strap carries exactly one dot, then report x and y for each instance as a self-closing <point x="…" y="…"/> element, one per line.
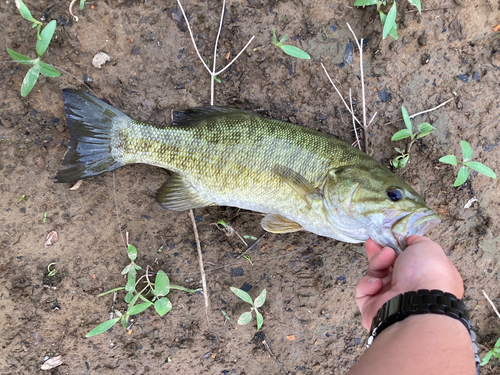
<point x="423" y="301"/>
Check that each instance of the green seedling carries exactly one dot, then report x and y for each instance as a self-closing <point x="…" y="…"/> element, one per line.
<point x="50" y="272"/>
<point x="226" y="317"/>
<point x="404" y="155"/>
<point x="22" y="197"/>
<point x="156" y="291"/>
<point x="43" y="40"/>
<point x="246" y="317"/>
<point x="388" y="20"/>
<point x="44" y="217"/>
<point x="289" y="50"/>
<point x="247" y="257"/>
<point x="463" y="172"/>
<point x="495" y="352"/>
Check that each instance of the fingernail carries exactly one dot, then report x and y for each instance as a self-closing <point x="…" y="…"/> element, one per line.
<point x="371" y="280"/>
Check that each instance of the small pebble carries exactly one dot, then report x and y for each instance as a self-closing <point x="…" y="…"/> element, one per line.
<point x="100" y="59"/>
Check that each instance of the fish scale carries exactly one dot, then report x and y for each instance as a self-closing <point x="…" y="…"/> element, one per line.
<point x="301" y="178"/>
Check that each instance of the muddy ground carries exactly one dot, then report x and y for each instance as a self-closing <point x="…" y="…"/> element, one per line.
<point x="450" y="51"/>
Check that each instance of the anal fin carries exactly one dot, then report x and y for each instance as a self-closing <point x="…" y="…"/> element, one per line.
<point x="275" y="223"/>
<point x="177" y="194"/>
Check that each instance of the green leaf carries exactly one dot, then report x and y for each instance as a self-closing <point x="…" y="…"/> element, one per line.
<point x="402" y="134"/>
<point x="425" y="128"/>
<point x="23" y="9"/>
<point x="82" y="3"/>
<point x="21" y="59"/>
<point x="497" y="344"/>
<point x="390" y="21"/>
<point x="463" y="173"/>
<point x="481" y="168"/>
<point x="30" y="79"/>
<point x="131" y="278"/>
<point x="245" y="318"/>
<point x="487" y="358"/>
<point x="406" y="119"/>
<point x="127" y="269"/>
<point x="362" y="3"/>
<point x="129" y="297"/>
<point x="260" y="319"/>
<point x="259" y="301"/>
<point x="162" y="284"/>
<point x="137" y="309"/>
<point x="275" y="40"/>
<point x="163" y="306"/>
<point x="466" y="151"/>
<point x="132" y="252"/>
<point x="283" y="39"/>
<point x="103" y="327"/>
<point x="295" y="52"/>
<point x="242" y="294"/>
<point x="400" y="162"/>
<point x="45" y="37"/>
<point x="449" y="159"/>
<point x="417" y="4"/>
<point x="47" y="70"/>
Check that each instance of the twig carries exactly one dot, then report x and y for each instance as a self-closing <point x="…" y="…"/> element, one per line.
<point x="213" y="73"/>
<point x="340" y="95"/>
<point x="200" y="256"/>
<point x="255" y="243"/>
<point x="273" y="356"/>
<point x="420" y="113"/>
<point x="353" y="122"/>
<point x="425" y="10"/>
<point x="491" y="303"/>
<point x="360" y="48"/>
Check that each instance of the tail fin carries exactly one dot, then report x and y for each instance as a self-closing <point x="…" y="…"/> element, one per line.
<point x="90" y="121"/>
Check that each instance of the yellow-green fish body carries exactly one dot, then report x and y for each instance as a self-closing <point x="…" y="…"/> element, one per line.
<point x="300" y="178"/>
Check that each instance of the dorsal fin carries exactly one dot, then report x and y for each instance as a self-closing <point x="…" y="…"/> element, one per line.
<point x="192" y="116"/>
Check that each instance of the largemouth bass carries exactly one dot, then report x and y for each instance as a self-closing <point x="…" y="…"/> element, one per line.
<point x="300" y="178"/>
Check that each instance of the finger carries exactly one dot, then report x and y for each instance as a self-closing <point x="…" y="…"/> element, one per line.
<point x="372" y="248"/>
<point x="367" y="288"/>
<point x="380" y="263"/>
<point x="414" y="239"/>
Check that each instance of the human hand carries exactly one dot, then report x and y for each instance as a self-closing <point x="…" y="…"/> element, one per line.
<point x="422" y="265"/>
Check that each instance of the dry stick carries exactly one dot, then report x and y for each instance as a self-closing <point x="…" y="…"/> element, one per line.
<point x="273" y="356"/>
<point x="212" y="73"/>
<point x="200" y="256"/>
<point x="340" y="95"/>
<point x="491" y="303"/>
<point x="255" y="243"/>
<point x="353" y="122"/>
<point x="420" y="113"/>
<point x="360" y="48"/>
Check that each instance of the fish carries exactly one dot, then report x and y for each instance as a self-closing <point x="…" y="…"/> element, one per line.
<point x="301" y="179"/>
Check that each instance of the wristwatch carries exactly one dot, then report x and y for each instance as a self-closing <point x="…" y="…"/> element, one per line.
<point x="422" y="302"/>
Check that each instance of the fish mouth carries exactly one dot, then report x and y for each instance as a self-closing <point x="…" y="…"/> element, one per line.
<point x="419" y="223"/>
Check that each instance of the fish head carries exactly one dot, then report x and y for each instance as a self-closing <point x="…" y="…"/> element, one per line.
<point x="363" y="202"/>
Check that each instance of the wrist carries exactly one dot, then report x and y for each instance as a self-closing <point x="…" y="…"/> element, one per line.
<point x="428" y="303"/>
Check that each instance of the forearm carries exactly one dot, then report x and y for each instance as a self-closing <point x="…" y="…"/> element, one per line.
<point x="420" y="344"/>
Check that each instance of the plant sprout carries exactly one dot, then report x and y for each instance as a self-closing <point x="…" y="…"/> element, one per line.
<point x="463" y="172"/>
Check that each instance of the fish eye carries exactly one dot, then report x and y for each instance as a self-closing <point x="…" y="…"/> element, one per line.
<point x="395" y="194"/>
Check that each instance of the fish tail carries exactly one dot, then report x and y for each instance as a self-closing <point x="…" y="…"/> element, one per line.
<point x="91" y="122"/>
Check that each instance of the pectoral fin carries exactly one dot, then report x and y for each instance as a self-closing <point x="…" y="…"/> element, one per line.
<point x="275" y="223"/>
<point x="298" y="183"/>
<point x="178" y="195"/>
